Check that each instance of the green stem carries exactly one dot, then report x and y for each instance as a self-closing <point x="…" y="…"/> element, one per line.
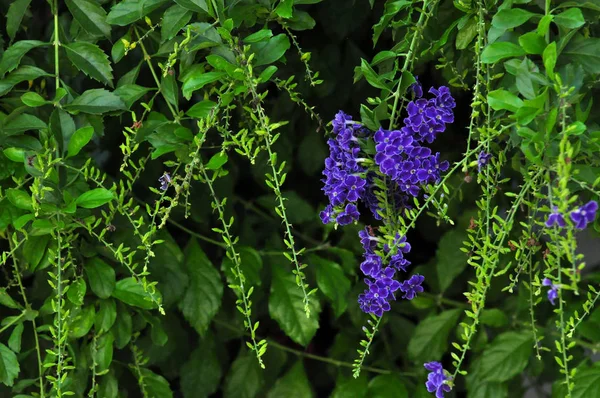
<point x="56" y="45"/>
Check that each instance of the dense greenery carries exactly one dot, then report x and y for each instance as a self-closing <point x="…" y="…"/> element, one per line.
<point x="160" y="191"/>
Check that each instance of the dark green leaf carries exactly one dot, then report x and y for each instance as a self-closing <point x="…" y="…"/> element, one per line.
<point x="90" y="16"/>
<point x="13" y="54"/>
<point x="23" y="122"/>
<point x="450" y="262"/>
<point x="294" y="384"/>
<point x="332" y="282"/>
<point x="287" y="308"/>
<point x="384" y="386"/>
<point x="14" y="341"/>
<point x="34" y="250"/>
<point x="465" y="35"/>
<point x="586" y="383"/>
<point x="9" y="366"/>
<point x="82" y="321"/>
<point x="193" y="5"/>
<point x="96" y="102"/>
<point x="202" y="298"/>
<point x="391" y="9"/>
<point x="430" y="338"/>
<point x="271" y="50"/>
<point x="155" y="385"/>
<point x="502" y="99"/>
<point x="311" y="153"/>
<point x="14" y="16"/>
<point x="104" y="351"/>
<point x="506" y="357"/>
<point x="570" y="19"/>
<point x="511" y="18"/>
<point x="76" y="292"/>
<point x="493" y="317"/>
<point x="91" y="60"/>
<point x="122" y="328"/>
<point x="251" y="266"/>
<point x="131" y="93"/>
<point x="106" y="315"/>
<point x="201" y="374"/>
<point x="174" y="19"/>
<point x="202" y="109"/>
<point x="131" y="292"/>
<point x="498" y="51"/>
<point x="350" y="387"/>
<point x="585" y="51"/>
<point x="101" y="277"/>
<point x="6" y="300"/>
<point x="197" y="80"/>
<point x="129" y="11"/>
<point x="22" y="74"/>
<point x="244" y="378"/>
<point x="108" y="387"/>
<point x="170" y="89"/>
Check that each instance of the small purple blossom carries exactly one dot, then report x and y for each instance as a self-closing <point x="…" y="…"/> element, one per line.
<point x="585" y="214"/>
<point x="437" y="379"/>
<point x="412" y="286"/>
<point x="555" y="218"/>
<point x="483" y="160"/>
<point x="553" y="292"/>
<point x="165" y="180"/>
<point x="349" y="215"/>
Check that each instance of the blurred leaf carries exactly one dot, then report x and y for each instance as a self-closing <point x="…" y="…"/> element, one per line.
<point x="96" y="102"/>
<point x="450" y="261"/>
<point x="251" y="266"/>
<point x="123" y="326"/>
<point x="506" y="357"/>
<point x="384" y="386"/>
<point x="294" y="384"/>
<point x="430" y="338"/>
<point x="155" y="385"/>
<point x="350" y="387"/>
<point x="15" y="15"/>
<point x="586" y="52"/>
<point x="130" y="292"/>
<point x="9" y="366"/>
<point x="174" y="19"/>
<point x="332" y="282"/>
<point x="201" y="374"/>
<point x="244" y="379"/>
<point x="586" y="383"/>
<point x="101" y="277"/>
<point x="493" y="317"/>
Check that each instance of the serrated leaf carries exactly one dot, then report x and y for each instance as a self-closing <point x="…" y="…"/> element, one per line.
<point x="430" y="338"/>
<point x="202" y="298"/>
<point x="586" y="383"/>
<point x="287" y="308"/>
<point x="91" y="60"/>
<point x="22" y="74"/>
<point x="90" y="16"/>
<point x="506" y="356"/>
<point x="23" y="122"/>
<point x="96" y="102"/>
<point x="13" y="54"/>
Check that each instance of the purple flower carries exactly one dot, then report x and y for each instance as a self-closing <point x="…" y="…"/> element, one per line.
<point x="437" y="379"/>
<point x="483" y="160"/>
<point x="355" y="186"/>
<point x="368" y="241"/>
<point x="371" y="266"/>
<point x="165" y="180"/>
<point x="555" y="218"/>
<point x="326" y="214"/>
<point x="553" y="292"/>
<point x="349" y="215"/>
<point x="412" y="286"/>
<point x="585" y="214"/>
<point x="416" y="88"/>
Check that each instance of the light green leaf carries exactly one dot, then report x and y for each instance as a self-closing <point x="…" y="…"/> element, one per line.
<point x="498" y="51"/>
<point x="9" y="366"/>
<point x="371" y="76"/>
<point x="14" y="341"/>
<point x="201" y="374"/>
<point x="287" y="308"/>
<point x="511" y="18"/>
<point x="216" y="161"/>
<point x="131" y="292"/>
<point x="506" y="357"/>
<point x="155" y="385"/>
<point x="13" y="54"/>
<point x="502" y="99"/>
<point x="466" y="34"/>
<point x="22" y="74"/>
<point x="101" y="277"/>
<point x="6" y="300"/>
<point x="261" y="35"/>
<point x="33" y="99"/>
<point x="76" y="292"/>
<point x="202" y="298"/>
<point x="570" y="19"/>
<point x="332" y="282"/>
<point x="14" y="16"/>
<point x="91" y="16"/>
<point x="430" y="338"/>
<point x="549" y="56"/>
<point x="104" y="351"/>
<point x="131" y="93"/>
<point x="96" y="102"/>
<point x="94" y="198"/>
<point x="174" y="19"/>
<point x="294" y="384"/>
<point x="244" y="379"/>
<point x="532" y="43"/>
<point x="384" y="386"/>
<point x="450" y="262"/>
<point x="202" y="109"/>
<point x="79" y="139"/>
<point x="271" y="50"/>
<point x="197" y="80"/>
<point x="91" y="60"/>
<point x="285" y="9"/>
<point x="19" y="198"/>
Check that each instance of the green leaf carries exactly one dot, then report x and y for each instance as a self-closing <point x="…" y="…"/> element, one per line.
<point x="261" y="35"/>
<point x="34" y="250"/>
<point x="170" y="89"/>
<point x="202" y="109"/>
<point x="22" y="74"/>
<point x="466" y="34"/>
<point x="494" y="318"/>
<point x="193" y="5"/>
<point x="19" y="198"/>
<point x="90" y="16"/>
<point x="586" y="52"/>
<point x="122" y="328"/>
<point x="570" y="19"/>
<point x="285" y="9"/>
<point x="155" y="385"/>
<point x="82" y="320"/>
<point x="384" y="386"/>
<point x="502" y="99"/>
<point x="108" y="387"/>
<point x="33" y="100"/>
<point x="216" y="161"/>
<point x="506" y="357"/>
<point x="14" y="341"/>
<point x="271" y="50"/>
<point x="532" y="43"/>
<point x="449" y="262"/>
<point x="202" y="298"/>
<point x="391" y="9"/>
<point x="101" y="277"/>
<point x="79" y="139"/>
<point x="198" y="79"/>
<point x="511" y="18"/>
<point x="201" y="374"/>
<point x="6" y="300"/>
<point x="96" y="102"/>
<point x="14" y="16"/>
<point x="9" y="366"/>
<point x="106" y="315"/>
<point x="251" y="266"/>
<point x="23" y="122"/>
<point x="174" y="19"/>
<point x="549" y="56"/>
<point x="244" y="379"/>
<point x="498" y="51"/>
<point x="294" y="384"/>
<point x="76" y="292"/>
<point x="350" y="387"/>
<point x="311" y="153"/>
<point x="430" y="338"/>
<point x="94" y="198"/>
<point x="332" y="282"/>
<point x="287" y="308"/>
<point x="131" y="93"/>
<point x="371" y="76"/>
<point x="128" y="11"/>
<point x="586" y="383"/>
<point x="104" y="352"/>
<point x="91" y="60"/>
<point x="13" y="54"/>
<point x="131" y="292"/>
<point x="544" y="24"/>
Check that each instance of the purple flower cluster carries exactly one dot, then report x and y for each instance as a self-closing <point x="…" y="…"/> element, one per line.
<point x="581" y="216"/>
<point x="344" y="180"/>
<point x="165" y="180"/>
<point x="400" y="154"/>
<point x="437" y="379"/>
<point x="553" y="292"/>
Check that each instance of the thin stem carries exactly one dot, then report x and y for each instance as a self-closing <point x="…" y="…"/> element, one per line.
<point x="56" y="45"/>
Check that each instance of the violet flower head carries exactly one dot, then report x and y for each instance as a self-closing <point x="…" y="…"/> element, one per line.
<point x="348" y="215"/>
<point x="585" y="214"/>
<point x="165" y="180"/>
<point x="437" y="379"/>
<point x="483" y="160"/>
<point x="553" y="292"/>
<point x="412" y="286"/>
<point x="416" y="88"/>
<point x="368" y="239"/>
<point x="555" y="218"/>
